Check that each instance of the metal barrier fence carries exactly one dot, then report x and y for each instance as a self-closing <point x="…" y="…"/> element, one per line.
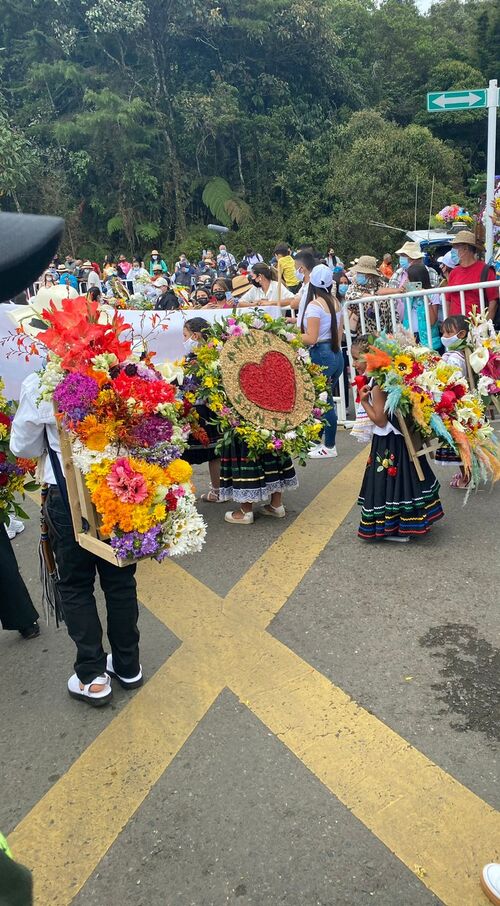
<point x="400" y="304"/>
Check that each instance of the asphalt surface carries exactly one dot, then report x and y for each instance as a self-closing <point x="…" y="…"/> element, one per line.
<point x="411" y="632"/>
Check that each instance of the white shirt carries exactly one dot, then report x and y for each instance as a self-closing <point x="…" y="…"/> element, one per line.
<point x="315" y="310"/>
<point x="257" y="294"/>
<point x="93" y="279"/>
<point x="31" y="421"/>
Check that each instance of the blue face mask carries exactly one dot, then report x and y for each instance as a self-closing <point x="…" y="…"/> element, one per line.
<point x="454" y="256"/>
<point x="404" y="262"/>
<point x="343" y="287"/>
<point x="361" y="279"/>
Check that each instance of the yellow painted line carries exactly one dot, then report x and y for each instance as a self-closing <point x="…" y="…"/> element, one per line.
<point x="434" y="825"/>
<point x="268" y="584"/>
<point x="71" y="828"/>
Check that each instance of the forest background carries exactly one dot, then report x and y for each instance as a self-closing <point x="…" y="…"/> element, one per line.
<point x="140" y="121"/>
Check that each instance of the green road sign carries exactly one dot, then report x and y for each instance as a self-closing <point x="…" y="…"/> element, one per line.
<point x="441" y="101"/>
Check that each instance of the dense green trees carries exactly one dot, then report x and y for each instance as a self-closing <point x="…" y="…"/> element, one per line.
<point x="142" y="120"/>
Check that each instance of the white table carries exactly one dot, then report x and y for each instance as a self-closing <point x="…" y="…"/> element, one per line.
<point x="161" y="331"/>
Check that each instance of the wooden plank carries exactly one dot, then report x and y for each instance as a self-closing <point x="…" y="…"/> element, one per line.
<point x="410" y="445"/>
<point x="99" y="548"/>
<point x="69" y="472"/>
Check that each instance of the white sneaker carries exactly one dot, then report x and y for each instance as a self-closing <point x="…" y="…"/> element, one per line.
<point x="322" y="452"/>
<point x="490" y="882"/>
<point x="14" y="527"/>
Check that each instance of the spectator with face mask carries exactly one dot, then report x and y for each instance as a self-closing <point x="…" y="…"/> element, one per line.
<point x="226" y="263"/>
<point x="366" y="281"/>
<point x="266" y="290"/>
<point x="157" y="259"/>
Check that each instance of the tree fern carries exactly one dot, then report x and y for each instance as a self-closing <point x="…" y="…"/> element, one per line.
<point x="225" y="204"/>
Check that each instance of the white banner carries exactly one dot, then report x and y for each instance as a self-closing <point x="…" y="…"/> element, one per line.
<point x="161" y="331"/>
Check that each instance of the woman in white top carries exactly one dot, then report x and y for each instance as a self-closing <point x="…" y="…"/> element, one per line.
<point x="317" y="322"/>
<point x="265" y="290"/>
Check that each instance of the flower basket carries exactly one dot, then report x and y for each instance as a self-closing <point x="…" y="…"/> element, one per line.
<point x="84" y="516"/>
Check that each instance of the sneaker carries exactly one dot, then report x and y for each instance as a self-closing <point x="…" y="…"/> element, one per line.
<point x="322" y="452"/>
<point x="17" y="525"/>
<point x="490" y="882"/>
<point x="30" y="632"/>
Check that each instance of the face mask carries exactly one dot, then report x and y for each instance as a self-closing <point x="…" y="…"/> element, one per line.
<point x="299" y="275"/>
<point x="220" y="296"/>
<point x="361" y="279"/>
<point x="454" y="256"/>
<point x="255" y="282"/>
<point x="404" y="262"/>
<point x="343" y="287"/>
<point x="449" y="341"/>
<point x="190" y="345"/>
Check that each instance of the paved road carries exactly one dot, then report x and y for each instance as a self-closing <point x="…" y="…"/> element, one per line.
<point x="320" y="723"/>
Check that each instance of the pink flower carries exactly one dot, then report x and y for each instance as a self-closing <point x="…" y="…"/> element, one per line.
<point x="317" y="413"/>
<point x="278" y="444"/>
<point x="129" y="486"/>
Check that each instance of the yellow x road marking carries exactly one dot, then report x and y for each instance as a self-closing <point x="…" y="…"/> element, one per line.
<point x="433" y="824"/>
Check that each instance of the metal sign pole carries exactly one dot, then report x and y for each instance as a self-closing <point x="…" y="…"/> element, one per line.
<point x="490" y="165"/>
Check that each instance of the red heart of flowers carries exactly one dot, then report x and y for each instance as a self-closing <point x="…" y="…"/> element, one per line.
<point x="269" y="384"/>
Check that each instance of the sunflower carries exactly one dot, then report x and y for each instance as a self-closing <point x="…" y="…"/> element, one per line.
<point x="403" y="364"/>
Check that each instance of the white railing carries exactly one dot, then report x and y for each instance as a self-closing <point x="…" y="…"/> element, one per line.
<point x="401" y="302"/>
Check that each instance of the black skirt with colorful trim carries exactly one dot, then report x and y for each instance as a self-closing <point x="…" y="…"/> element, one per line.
<point x="446" y="455"/>
<point x="393" y="500"/>
<point x="253" y="481"/>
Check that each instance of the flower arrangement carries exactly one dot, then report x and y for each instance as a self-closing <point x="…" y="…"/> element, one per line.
<point x="484" y="357"/>
<point x="13" y="470"/>
<point x="128" y="427"/>
<point x="452" y="213"/>
<point x="256" y="377"/>
<point x="437" y="401"/>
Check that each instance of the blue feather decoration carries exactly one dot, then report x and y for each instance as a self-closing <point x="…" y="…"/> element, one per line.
<point x="439" y="428"/>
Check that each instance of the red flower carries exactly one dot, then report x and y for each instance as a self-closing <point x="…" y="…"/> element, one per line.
<point x="76" y="335"/>
<point x="392" y="471"/>
<point x="417" y="369"/>
<point x="148" y="393"/>
<point x="447" y="401"/>
<point x="2" y="457"/>
<point x="4" y="479"/>
<point x="458" y="390"/>
<point x="4" y="420"/>
<point x="171" y="501"/>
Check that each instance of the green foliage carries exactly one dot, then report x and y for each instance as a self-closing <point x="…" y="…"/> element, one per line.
<point x="139" y="121"/>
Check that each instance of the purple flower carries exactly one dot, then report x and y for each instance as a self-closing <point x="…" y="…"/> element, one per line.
<point x="151" y="431"/>
<point x="134" y="545"/>
<point x="278" y="444"/>
<point x="75" y="394"/>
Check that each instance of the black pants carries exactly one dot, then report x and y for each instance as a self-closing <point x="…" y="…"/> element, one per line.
<point x="16" y="606"/>
<point x="77" y="571"/>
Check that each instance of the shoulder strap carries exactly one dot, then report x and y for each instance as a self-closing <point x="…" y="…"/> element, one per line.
<point x="58" y="473"/>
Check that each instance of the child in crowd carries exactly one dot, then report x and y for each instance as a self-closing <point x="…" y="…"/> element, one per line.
<point x="195" y="332"/>
<point x="454" y="339"/>
<point x="362" y="429"/>
<point x="395" y="504"/>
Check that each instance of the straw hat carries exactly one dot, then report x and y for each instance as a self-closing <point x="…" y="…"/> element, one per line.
<point x="240" y="285"/>
<point x="87" y="264"/>
<point x="411" y="249"/>
<point x="366" y="264"/>
<point x="62" y="269"/>
<point x="464" y="237"/>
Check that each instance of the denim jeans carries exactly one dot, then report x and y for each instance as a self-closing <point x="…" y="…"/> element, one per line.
<point x="332" y="364"/>
<point x="77" y="571"/>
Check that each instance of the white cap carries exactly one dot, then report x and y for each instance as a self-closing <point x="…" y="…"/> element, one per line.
<point x="321" y="277"/>
<point x="448" y="260"/>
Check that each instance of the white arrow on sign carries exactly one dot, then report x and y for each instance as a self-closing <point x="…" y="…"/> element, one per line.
<point x="468" y="97"/>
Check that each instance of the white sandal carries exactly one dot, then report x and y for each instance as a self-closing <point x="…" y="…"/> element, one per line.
<point x="132" y="683"/>
<point x="97" y="699"/>
<point x="246" y="518"/>
<point x="211" y="496"/>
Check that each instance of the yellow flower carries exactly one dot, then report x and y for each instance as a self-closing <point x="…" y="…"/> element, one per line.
<point x="208" y="381"/>
<point x="403" y="364"/>
<point x="179" y="471"/>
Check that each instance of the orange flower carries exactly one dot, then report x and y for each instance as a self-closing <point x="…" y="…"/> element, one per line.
<point x="377" y="359"/>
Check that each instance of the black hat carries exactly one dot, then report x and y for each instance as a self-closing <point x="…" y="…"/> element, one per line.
<point x="27" y="245"/>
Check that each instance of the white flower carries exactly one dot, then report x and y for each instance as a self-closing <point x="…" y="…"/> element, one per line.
<point x="171" y="372"/>
<point x="303" y="355"/>
<point x="104" y="361"/>
<point x="323" y="397"/>
<point x="483" y="385"/>
<point x="479" y="359"/>
<point x="258" y="323"/>
<point x="84" y="458"/>
<point x="291" y="435"/>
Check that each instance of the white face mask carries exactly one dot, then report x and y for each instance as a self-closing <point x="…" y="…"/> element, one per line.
<point x="190" y="345"/>
<point x="449" y="341"/>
